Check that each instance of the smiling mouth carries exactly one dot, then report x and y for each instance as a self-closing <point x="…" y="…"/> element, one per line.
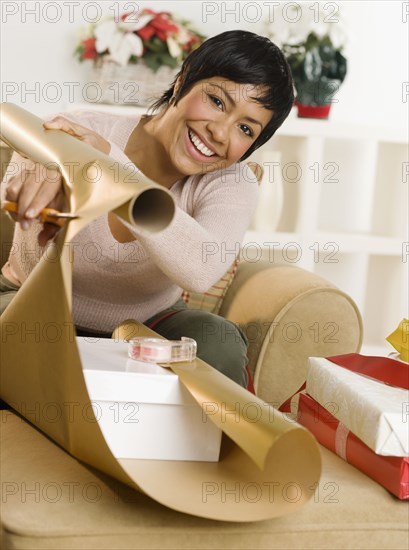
<point x="199" y="145"/>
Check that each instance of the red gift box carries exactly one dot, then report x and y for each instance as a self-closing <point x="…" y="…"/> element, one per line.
<point x="391" y="472"/>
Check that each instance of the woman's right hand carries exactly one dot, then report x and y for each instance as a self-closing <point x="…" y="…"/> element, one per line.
<point x="34" y="188"/>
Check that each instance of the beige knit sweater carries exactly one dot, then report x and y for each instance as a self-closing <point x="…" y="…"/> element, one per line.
<point x="114" y="281"/>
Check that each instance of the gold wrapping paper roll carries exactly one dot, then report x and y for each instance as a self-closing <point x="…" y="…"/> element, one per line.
<point x="268" y="467"/>
<point x="138" y="200"/>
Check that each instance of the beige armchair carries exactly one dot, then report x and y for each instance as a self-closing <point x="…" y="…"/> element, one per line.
<point x="288" y="315"/>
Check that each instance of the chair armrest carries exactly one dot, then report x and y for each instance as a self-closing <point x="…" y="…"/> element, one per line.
<point x="289" y="314"/>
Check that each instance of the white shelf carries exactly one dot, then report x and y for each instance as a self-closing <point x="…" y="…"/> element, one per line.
<point x="356" y="242"/>
<point x="307" y="127"/>
<point x="348" y="212"/>
<point x="346" y="242"/>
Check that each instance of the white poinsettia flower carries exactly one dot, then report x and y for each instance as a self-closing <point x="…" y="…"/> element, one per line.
<point x="174" y="49"/>
<point x="119" y="49"/>
<point x="183" y="36"/>
<point x="288" y="25"/>
<point x="135" y="43"/>
<point x="337" y="36"/>
<point x="104" y="34"/>
<point x="320" y="28"/>
<point x="129" y="24"/>
<point x="121" y="45"/>
<point x="125" y="45"/>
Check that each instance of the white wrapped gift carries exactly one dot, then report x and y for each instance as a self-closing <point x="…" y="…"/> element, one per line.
<point x="375" y="412"/>
<point x="143" y="409"/>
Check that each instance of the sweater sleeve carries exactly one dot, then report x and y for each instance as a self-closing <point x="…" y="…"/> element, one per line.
<point x="202" y="247"/>
<point x="196" y="249"/>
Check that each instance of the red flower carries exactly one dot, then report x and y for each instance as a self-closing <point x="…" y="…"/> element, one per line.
<point x="163" y="26"/>
<point x="125" y="15"/>
<point x="147" y="11"/>
<point x="159" y="26"/>
<point x="90" y="51"/>
<point x="146" y="32"/>
<point x="191" y="44"/>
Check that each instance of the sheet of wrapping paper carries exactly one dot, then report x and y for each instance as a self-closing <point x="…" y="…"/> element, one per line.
<point x="267" y="465"/>
<point x="399" y="339"/>
<point x="373" y="411"/>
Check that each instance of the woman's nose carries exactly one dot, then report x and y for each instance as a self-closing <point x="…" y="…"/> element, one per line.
<point x="219" y="130"/>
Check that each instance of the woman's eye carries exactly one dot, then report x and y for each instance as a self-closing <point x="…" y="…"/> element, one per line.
<point x="248" y="131"/>
<point x="217" y="101"/>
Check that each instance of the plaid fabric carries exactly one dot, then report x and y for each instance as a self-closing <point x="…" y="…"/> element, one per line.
<point x="212" y="299"/>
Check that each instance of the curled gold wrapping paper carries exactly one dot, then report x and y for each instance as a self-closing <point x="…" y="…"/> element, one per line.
<point x="268" y="466"/>
<point x="91" y="179"/>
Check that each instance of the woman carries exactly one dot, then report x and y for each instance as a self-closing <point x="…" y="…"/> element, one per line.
<point x="229" y="98"/>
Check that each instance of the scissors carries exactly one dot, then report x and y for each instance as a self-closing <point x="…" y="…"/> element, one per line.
<point x="46" y="215"/>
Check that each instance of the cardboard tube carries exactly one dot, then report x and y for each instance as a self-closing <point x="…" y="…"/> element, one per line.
<point x="151" y="210"/>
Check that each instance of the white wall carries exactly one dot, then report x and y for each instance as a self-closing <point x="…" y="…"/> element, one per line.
<point x="37" y="50"/>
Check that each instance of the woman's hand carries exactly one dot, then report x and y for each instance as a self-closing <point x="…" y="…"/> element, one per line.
<point x="80" y="132"/>
<point x="37" y="186"/>
<point x="34" y="188"/>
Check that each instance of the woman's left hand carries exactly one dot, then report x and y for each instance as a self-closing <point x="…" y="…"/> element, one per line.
<point x="80" y="132"/>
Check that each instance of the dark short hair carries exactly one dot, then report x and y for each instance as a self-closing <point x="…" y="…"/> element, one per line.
<point x="245" y="58"/>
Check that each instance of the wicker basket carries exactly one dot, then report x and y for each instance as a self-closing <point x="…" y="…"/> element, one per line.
<point x="134" y="84"/>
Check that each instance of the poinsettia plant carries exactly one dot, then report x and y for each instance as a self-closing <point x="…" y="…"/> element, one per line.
<point x="312" y="42"/>
<point x="159" y="38"/>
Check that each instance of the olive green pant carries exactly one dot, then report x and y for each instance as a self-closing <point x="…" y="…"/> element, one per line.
<point x="220" y="343"/>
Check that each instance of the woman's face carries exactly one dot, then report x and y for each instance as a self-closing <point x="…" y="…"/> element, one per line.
<point x="213" y="125"/>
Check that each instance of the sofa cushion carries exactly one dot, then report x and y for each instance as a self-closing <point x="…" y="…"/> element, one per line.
<point x="212" y="299"/>
<point x="51" y="500"/>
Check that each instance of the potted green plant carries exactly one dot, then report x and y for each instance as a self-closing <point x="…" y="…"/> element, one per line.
<point x="312" y="43"/>
<point x="145" y="49"/>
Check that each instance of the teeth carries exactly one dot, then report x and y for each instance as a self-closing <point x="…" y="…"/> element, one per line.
<point x="200" y="145"/>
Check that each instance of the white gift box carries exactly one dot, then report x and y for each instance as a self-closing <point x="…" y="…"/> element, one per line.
<point x="375" y="412"/>
<point x="143" y="410"/>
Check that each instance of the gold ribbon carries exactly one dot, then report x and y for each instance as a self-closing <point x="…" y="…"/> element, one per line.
<point x="268" y="464"/>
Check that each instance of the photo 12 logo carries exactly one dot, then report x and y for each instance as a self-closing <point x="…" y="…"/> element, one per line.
<point x="52" y="12"/>
<point x="54" y="92"/>
<point x="270" y="491"/>
<point x="253" y="12"/>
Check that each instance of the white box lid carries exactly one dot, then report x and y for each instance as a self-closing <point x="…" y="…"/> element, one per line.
<point x="110" y="375"/>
